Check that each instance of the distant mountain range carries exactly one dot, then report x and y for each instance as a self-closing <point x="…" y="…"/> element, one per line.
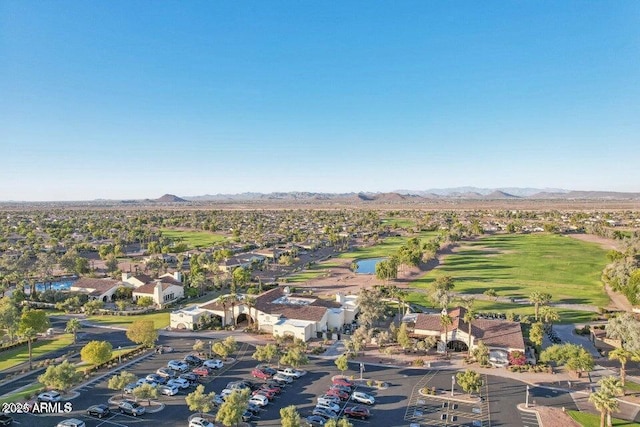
<point x="458" y="193"/>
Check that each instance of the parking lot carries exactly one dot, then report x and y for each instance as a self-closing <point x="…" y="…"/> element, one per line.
<point x="398" y="405"/>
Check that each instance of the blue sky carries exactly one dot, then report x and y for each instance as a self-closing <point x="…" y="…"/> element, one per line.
<point x="134" y="99"/>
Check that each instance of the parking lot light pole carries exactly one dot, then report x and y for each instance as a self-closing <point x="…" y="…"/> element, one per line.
<point x="453" y="383"/>
<point x="210" y="349"/>
<point x="119" y="355"/>
<point x="526" y="400"/>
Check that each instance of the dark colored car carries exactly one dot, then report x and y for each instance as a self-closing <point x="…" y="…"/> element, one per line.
<point x="158" y="379"/>
<point x="270" y="388"/>
<point x="266" y="368"/>
<point x="343" y="382"/>
<point x="189" y="376"/>
<point x="254" y="409"/>
<point x="98" y="411"/>
<point x="192" y="360"/>
<point x="337" y="393"/>
<point x="341" y="388"/>
<point x="357" y="412"/>
<point x="315" y="421"/>
<point x="5" y="420"/>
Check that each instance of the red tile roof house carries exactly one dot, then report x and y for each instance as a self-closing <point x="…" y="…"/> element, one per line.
<point x="278" y="312"/>
<point x="498" y="335"/>
<point x="163" y="290"/>
<point x="98" y="289"/>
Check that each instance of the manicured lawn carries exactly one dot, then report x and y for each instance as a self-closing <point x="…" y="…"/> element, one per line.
<point x="40" y="348"/>
<point x="160" y="320"/>
<point x="590" y="420"/>
<point x="194" y="239"/>
<point x="386" y="247"/>
<point x="20" y="395"/>
<point x="566" y="316"/>
<point x="516" y="265"/>
<point x="316" y="270"/>
<point x="632" y="387"/>
<point x="399" y="222"/>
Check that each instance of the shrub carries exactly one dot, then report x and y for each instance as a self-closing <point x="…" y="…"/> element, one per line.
<point x="418" y="362"/>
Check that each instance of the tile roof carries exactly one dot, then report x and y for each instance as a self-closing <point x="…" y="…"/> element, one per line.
<point x="494" y="333"/>
<point x="148" y="288"/>
<point x="96" y="285"/>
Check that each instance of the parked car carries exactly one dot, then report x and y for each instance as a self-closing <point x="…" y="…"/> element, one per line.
<point x="178" y="365"/>
<point x="49" y="396"/>
<point x="202" y="371"/>
<point x="189" y="376"/>
<point x="213" y="363"/>
<point x="239" y="385"/>
<point x="128" y="389"/>
<point x="266" y="368"/>
<point x="167" y="373"/>
<point x="337" y="393"/>
<point x="270" y="388"/>
<point x="5" y="420"/>
<point x="361" y="397"/>
<point x="158" y="379"/>
<point x="328" y="399"/>
<point x="341" y="388"/>
<point x="98" y="411"/>
<point x="315" y="421"/>
<point x="330" y="406"/>
<point x="357" y="411"/>
<point x="343" y="382"/>
<point x="247" y="416"/>
<point x="71" y="422"/>
<point x="179" y="382"/>
<point x="168" y="390"/>
<point x="259" y="373"/>
<point x="325" y="413"/>
<point x="200" y="422"/>
<point x="283" y="378"/>
<point x="131" y="408"/>
<point x="259" y="400"/>
<point x="146" y="381"/>
<point x="255" y="409"/>
<point x="290" y="372"/>
<point x="268" y="394"/>
<point x="217" y="400"/>
<point x="192" y="360"/>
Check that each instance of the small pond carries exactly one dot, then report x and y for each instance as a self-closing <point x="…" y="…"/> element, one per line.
<point x="368" y="266"/>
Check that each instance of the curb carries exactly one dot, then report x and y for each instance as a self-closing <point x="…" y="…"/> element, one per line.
<point x="522" y="408"/>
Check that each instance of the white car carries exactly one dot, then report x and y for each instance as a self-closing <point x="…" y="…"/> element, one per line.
<point x="200" y="422"/>
<point x="168" y="390"/>
<point x="178" y="365"/>
<point x="213" y="363"/>
<point x="329" y="406"/>
<point x="71" y="422"/>
<point x="282" y="378"/>
<point x="361" y="397"/>
<point x="178" y="382"/>
<point x="259" y="400"/>
<point x="326" y="400"/>
<point x="146" y="381"/>
<point x="49" y="396"/>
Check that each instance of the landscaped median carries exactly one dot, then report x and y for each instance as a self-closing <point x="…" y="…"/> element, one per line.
<point x="40" y="348"/>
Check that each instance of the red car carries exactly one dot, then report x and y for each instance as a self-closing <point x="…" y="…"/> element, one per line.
<point x="343" y="382"/>
<point x="202" y="371"/>
<point x="271" y="389"/>
<point x="259" y="373"/>
<point x="357" y="412"/>
<point x="337" y="393"/>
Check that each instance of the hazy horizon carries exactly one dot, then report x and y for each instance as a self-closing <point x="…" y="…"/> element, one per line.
<point x="132" y="100"/>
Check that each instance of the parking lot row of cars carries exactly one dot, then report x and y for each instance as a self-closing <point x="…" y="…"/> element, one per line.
<point x="334" y="403"/>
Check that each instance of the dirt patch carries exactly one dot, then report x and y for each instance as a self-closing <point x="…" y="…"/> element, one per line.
<point x="602" y="241"/>
<point x="554" y="417"/>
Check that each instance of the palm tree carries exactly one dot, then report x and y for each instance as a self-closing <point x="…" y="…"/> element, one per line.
<point x="223" y="300"/>
<point x="623" y="356"/>
<point x="549" y="315"/>
<point x="605" y="399"/>
<point x="469" y="317"/>
<point x="73" y="326"/>
<point x="537" y="299"/>
<point x="30" y="334"/>
<point x="445" y="321"/>
<point x="251" y="303"/>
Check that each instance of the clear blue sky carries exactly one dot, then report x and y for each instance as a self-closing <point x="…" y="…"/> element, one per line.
<point x="134" y="99"/>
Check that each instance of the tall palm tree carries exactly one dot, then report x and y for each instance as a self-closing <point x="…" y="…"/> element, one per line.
<point x="445" y="321"/>
<point x="469" y="317"/>
<point x="537" y="299"/>
<point x="549" y="315"/>
<point x="251" y="303"/>
<point x="603" y="403"/>
<point x="623" y="356"/>
<point x="73" y="326"/>
<point x="610" y="387"/>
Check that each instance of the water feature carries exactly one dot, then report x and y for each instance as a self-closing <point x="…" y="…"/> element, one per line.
<point x="58" y="285"/>
<point x="368" y="266"/>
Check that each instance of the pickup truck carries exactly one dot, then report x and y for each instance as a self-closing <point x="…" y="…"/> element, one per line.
<point x="290" y="372"/>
